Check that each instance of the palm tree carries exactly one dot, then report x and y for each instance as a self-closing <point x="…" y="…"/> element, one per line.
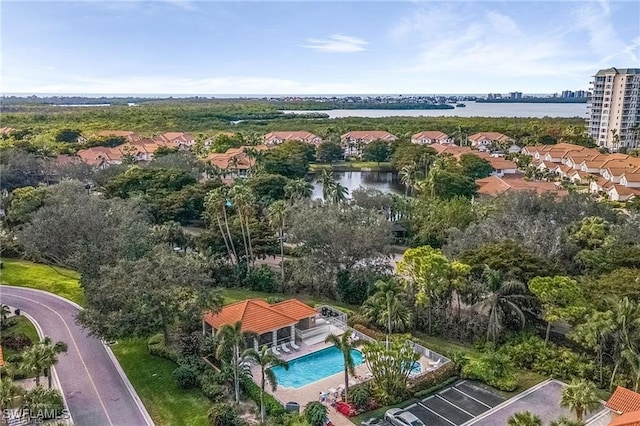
<point x="266" y="360"/>
<point x="244" y="201"/>
<point x="276" y="214"/>
<point x="338" y="193"/>
<point x="216" y="203"/>
<point x="633" y="360"/>
<point x="564" y="421"/>
<point x="409" y="175"/>
<point x="315" y="413"/>
<point x="231" y="338"/>
<point x="386" y="306"/>
<point x="524" y="418"/>
<point x="8" y="392"/>
<point x="344" y="345"/>
<point x="39" y="358"/>
<point x="580" y="396"/>
<point x="297" y="189"/>
<point x="327" y="181"/>
<point x="500" y="301"/>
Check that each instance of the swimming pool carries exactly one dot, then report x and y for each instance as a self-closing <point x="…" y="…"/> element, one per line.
<point x="313" y="367"/>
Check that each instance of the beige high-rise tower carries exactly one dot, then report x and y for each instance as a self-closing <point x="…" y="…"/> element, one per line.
<point x="614" y="108"/>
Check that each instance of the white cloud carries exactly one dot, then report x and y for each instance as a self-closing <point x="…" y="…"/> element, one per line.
<point x="175" y="85"/>
<point x="337" y="43"/>
<point x="454" y="37"/>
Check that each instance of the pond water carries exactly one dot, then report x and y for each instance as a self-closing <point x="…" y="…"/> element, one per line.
<point x="382" y="181"/>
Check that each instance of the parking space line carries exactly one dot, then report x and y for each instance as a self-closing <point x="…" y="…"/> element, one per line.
<point x="437" y="414"/>
<point x="477" y="400"/>
<point x="454" y="405"/>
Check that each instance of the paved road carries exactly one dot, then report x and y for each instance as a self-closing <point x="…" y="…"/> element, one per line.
<point x="95" y="393"/>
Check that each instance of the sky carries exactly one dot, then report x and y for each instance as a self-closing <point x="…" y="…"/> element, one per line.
<point x="312" y="47"/>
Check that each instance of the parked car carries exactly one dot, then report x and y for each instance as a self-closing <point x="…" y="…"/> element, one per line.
<point x="398" y="417"/>
<point x="376" y="422"/>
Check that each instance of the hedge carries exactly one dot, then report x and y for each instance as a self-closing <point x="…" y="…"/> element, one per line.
<point x="433" y="378"/>
<point x="156" y="347"/>
<point x="271" y="405"/>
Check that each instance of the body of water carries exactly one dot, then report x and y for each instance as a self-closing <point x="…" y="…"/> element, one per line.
<point x="472" y="109"/>
<point x="382" y="181"/>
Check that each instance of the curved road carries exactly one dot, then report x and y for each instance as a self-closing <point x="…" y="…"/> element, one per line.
<point x="94" y="389"/>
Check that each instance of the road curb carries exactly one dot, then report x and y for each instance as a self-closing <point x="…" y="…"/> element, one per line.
<point x="129" y="386"/>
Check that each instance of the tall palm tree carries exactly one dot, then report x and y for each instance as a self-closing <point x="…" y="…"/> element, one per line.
<point x="338" y="193"/>
<point x="503" y="298"/>
<point x="244" y="201"/>
<point x="231" y="338"/>
<point x="276" y="214"/>
<point x="564" y="421"/>
<point x="39" y="358"/>
<point x="327" y="181"/>
<point x="633" y="361"/>
<point x="524" y="418"/>
<point x="386" y="307"/>
<point x="409" y="176"/>
<point x="216" y="207"/>
<point x="626" y="315"/>
<point x="266" y="360"/>
<point x="344" y="345"/>
<point x="580" y="396"/>
<point x="298" y="189"/>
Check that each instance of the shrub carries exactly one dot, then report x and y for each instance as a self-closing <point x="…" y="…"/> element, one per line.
<point x="212" y="386"/>
<point x="47" y="403"/>
<point x="156" y="347"/>
<point x="271" y="405"/>
<point x="377" y="335"/>
<point x="16" y="341"/>
<point x="315" y="413"/>
<point x="433" y="378"/>
<point x="185" y="377"/>
<point x="262" y="279"/>
<point x="494" y="369"/>
<point x="222" y="414"/>
<point x="360" y="395"/>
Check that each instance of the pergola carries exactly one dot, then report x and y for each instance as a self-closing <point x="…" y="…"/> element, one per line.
<point x="272" y="323"/>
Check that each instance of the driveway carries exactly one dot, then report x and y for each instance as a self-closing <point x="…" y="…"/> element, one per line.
<point x="96" y="390"/>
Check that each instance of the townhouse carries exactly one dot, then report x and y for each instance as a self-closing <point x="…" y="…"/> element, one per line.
<point x="276" y="138"/>
<point x="353" y="141"/>
<point x="429" y="137"/>
<point x="235" y="162"/>
<point x="484" y="139"/>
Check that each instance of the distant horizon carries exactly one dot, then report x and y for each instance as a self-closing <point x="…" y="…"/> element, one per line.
<point x="257" y="95"/>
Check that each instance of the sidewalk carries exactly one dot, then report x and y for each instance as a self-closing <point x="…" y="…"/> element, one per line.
<point x="338" y="419"/>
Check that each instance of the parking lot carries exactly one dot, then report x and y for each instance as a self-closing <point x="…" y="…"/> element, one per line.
<point x="455" y="405"/>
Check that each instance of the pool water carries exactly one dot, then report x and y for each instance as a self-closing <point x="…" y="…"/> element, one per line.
<point x="313" y="367"/>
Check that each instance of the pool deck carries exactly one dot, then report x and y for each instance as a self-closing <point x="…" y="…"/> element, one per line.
<point x="311" y="392"/>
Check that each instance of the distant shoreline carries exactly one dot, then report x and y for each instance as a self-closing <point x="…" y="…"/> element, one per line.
<point x="533" y="101"/>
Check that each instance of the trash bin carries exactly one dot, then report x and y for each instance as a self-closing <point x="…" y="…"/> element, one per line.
<point x="17" y="312"/>
<point x="292" y="407"/>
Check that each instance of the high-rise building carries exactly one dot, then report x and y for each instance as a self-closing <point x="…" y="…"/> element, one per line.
<point x="614" y="108"/>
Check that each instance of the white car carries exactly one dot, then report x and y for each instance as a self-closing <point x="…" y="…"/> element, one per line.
<point x="399" y="417"/>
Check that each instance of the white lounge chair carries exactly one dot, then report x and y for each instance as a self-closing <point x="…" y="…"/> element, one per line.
<point x="294" y="346"/>
<point x="285" y="349"/>
<point x="275" y="350"/>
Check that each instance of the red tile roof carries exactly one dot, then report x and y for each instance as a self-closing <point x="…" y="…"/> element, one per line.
<point x="624" y="400"/>
<point x="1" y="358"/>
<point x="369" y="135"/>
<point x="258" y="316"/>
<point x="492" y="136"/>
<point x="428" y="134"/>
<point x="292" y="136"/>
<point x="494" y="186"/>
<point x="627" y="419"/>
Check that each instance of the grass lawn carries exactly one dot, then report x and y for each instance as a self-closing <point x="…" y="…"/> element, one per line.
<point x="151" y="377"/>
<point x="232" y="295"/>
<point x="60" y="281"/>
<point x="19" y="324"/>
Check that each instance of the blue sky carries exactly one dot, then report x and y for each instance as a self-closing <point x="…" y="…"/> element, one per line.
<point x="310" y="47"/>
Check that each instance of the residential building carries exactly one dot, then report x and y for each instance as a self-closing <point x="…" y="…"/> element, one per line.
<point x="179" y="139"/>
<point x="276" y="138"/>
<point x="431" y="137"/>
<point x="353" y="142"/>
<point x="624" y="407"/>
<point x="128" y="135"/>
<point x="614" y="108"/>
<point x="494" y="186"/>
<point x="6" y="130"/>
<point x="235" y="162"/>
<point x="488" y="138"/>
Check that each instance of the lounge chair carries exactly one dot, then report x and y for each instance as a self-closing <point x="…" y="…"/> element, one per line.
<point x="285" y="349"/>
<point x="275" y="350"/>
<point x="294" y="346"/>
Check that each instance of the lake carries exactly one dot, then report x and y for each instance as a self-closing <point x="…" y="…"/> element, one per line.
<point x="382" y="181"/>
<point x="472" y="109"/>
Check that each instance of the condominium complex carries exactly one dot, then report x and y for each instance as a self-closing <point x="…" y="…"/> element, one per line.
<point x="614" y="120"/>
